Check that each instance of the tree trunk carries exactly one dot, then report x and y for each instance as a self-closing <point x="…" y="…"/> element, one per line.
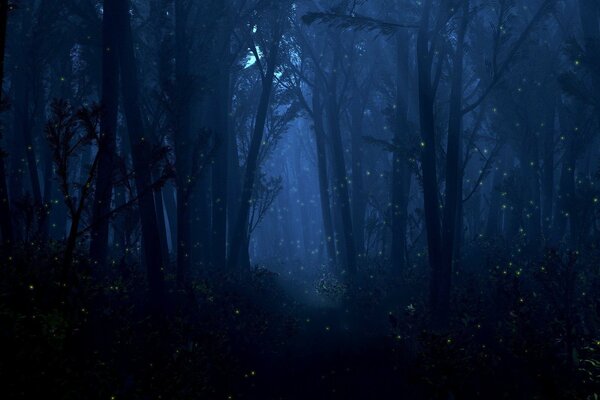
<point x="241" y="225"/>
<point x="108" y="132"/>
<point x="429" y="163"/>
<point x="234" y="193"/>
<point x="160" y="219"/>
<point x="359" y="201"/>
<point x="567" y="180"/>
<point x="339" y="169"/>
<point x="171" y="211"/>
<point x="531" y="190"/>
<point x="400" y="171"/>
<point x="141" y="157"/>
<point x="183" y="145"/>
<point x="23" y="120"/>
<point x="548" y="171"/>
<point x="201" y="218"/>
<point x="6" y="227"/>
<point x="220" y="166"/>
<point x="323" y="176"/>
<point x="453" y="178"/>
<point x="493" y="226"/>
<point x="589" y="11"/>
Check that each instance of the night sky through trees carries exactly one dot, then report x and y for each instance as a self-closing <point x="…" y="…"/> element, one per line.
<point x="311" y="199"/>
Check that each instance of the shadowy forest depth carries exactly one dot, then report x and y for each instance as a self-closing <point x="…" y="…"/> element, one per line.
<point x="309" y="199"/>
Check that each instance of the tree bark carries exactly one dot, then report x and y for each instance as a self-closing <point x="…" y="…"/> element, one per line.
<point x="429" y="163"/>
<point x="141" y="157"/>
<point x="589" y="12"/>
<point x="323" y="176"/>
<point x="108" y="134"/>
<point x="183" y="145"/>
<point x="241" y="225"/>
<point x="23" y="120"/>
<point x="6" y="227"/>
<point x="548" y="170"/>
<point x="339" y="168"/>
<point x="400" y="171"/>
<point x="453" y="177"/>
<point x="566" y="186"/>
<point x="219" y="172"/>
<point x="359" y="201"/>
<point x="160" y="219"/>
<point x="234" y="193"/>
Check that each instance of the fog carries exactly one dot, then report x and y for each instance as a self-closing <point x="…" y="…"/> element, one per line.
<point x="283" y="199"/>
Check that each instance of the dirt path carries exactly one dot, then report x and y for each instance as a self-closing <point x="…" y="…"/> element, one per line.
<point x="334" y="355"/>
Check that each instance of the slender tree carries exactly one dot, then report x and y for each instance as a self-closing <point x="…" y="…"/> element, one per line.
<point x="267" y="77"/>
<point x="6" y="227"/>
<point x="141" y="154"/>
<point x="108" y="134"/>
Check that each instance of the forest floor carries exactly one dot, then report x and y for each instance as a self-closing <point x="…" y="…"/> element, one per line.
<point x="335" y="353"/>
<point x="288" y="332"/>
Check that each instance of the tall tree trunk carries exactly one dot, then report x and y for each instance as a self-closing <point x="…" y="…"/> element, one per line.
<point x="453" y="178"/>
<point x="201" y="219"/>
<point x="359" y="202"/>
<point x="234" y="193"/>
<point x="160" y="219"/>
<point x="548" y="171"/>
<point x="48" y="180"/>
<point x="589" y="11"/>
<point x="183" y="145"/>
<point x="108" y="132"/>
<point x="17" y="167"/>
<point x="493" y="220"/>
<point x="241" y="225"/>
<point x="6" y="227"/>
<point x="219" y="172"/>
<point x="428" y="161"/>
<point x="171" y="210"/>
<point x="339" y="168"/>
<point x="23" y="122"/>
<point x="530" y="171"/>
<point x="323" y="176"/>
<point x="304" y="217"/>
<point x="567" y="180"/>
<point x="400" y="171"/>
<point x="141" y="154"/>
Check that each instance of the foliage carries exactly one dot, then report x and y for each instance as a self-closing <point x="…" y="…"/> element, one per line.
<point x="96" y="339"/>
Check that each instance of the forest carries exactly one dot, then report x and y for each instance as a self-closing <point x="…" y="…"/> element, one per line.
<point x="300" y="199"/>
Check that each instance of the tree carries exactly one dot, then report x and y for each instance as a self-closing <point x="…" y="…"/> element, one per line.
<point x="6" y="227"/>
<point x="141" y="154"/>
<point x="108" y="128"/>
<point x="267" y="77"/>
<point x="69" y="133"/>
